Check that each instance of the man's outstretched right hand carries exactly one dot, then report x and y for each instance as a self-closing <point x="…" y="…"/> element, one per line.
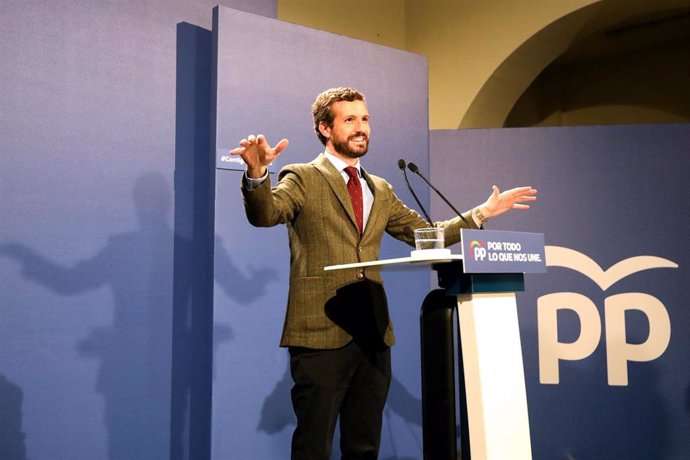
<point x="258" y="154"/>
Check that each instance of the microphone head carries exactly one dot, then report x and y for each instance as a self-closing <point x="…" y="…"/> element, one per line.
<point x="401" y="164"/>
<point x="413" y="167"/>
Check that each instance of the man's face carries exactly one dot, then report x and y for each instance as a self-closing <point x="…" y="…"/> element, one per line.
<point x="349" y="135"/>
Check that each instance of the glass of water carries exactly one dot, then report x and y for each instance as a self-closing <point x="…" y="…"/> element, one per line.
<point x="428" y="238"/>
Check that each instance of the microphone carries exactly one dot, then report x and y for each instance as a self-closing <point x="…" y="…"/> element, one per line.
<point x="401" y="165"/>
<point x="413" y="167"/>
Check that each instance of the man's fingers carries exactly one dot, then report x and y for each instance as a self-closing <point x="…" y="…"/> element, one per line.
<point x="280" y="146"/>
<point x="256" y="149"/>
<point x="526" y="198"/>
<point x="524" y="191"/>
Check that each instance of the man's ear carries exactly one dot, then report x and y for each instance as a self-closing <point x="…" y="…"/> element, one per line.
<point x="324" y="129"/>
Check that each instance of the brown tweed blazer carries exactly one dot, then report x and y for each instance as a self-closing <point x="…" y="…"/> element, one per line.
<point x="312" y="200"/>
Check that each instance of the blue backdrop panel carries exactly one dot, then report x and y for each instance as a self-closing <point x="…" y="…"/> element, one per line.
<point x="611" y="193"/>
<point x="88" y="150"/>
<point x="268" y="74"/>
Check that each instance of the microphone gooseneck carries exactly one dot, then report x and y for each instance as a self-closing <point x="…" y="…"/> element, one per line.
<point x="413" y="167"/>
<point x="401" y="165"/>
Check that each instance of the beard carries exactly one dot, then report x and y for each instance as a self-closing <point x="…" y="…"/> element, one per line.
<point x="342" y="146"/>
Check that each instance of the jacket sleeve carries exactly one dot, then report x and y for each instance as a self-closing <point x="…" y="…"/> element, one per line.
<point x="267" y="206"/>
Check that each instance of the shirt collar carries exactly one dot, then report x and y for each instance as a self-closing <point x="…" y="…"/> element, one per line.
<point x="339" y="164"/>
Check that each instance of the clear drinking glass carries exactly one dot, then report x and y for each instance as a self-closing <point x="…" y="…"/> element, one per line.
<point x="428" y="238"/>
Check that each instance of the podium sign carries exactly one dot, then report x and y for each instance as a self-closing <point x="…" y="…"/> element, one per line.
<point x="493" y="251"/>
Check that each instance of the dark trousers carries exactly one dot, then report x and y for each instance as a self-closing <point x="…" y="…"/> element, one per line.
<point x="351" y="382"/>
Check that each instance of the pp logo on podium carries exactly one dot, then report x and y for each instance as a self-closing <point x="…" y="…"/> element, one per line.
<point x="477" y="250"/>
<point x="618" y="350"/>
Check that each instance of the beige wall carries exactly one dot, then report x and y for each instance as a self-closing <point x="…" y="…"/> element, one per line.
<point x="375" y="21"/>
<point x="484" y="54"/>
<point x="466" y="41"/>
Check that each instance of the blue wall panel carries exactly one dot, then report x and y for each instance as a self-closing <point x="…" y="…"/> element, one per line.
<point x="268" y="74"/>
<point x="87" y="239"/>
<point x="611" y="193"/>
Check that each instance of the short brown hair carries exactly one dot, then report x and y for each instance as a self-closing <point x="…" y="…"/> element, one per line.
<point x="321" y="109"/>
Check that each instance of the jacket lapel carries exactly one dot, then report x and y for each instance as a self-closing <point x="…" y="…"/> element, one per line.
<point x="336" y="182"/>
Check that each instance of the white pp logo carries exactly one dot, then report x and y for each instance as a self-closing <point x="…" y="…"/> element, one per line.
<point x="618" y="351"/>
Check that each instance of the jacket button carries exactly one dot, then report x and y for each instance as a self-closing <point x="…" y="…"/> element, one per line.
<point x="360" y="275"/>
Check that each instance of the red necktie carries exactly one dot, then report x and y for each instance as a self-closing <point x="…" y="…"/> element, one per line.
<point x="354" y="187"/>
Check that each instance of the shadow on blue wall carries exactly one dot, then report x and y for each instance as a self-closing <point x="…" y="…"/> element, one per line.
<point x="134" y="351"/>
<point x="12" y="444"/>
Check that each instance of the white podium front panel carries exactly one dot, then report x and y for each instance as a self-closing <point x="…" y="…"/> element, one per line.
<point x="494" y="377"/>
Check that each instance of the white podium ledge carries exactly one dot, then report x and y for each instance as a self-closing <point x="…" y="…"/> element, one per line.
<point x="418" y="258"/>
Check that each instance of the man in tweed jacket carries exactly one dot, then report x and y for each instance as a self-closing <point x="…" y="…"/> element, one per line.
<point x="337" y="327"/>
